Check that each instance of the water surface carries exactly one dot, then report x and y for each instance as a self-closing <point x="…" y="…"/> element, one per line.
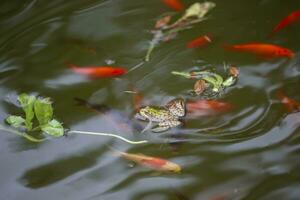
<point x="250" y="152"/>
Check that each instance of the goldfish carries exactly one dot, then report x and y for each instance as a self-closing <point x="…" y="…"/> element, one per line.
<point x="199" y="42"/>
<point x="174" y="4"/>
<point x="207" y="107"/>
<point x="264" y="50"/>
<point x="290" y="19"/>
<point x="151" y="162"/>
<point x="289" y="103"/>
<point x="98" y="71"/>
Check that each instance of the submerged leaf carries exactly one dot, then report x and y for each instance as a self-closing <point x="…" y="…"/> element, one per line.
<point x="15" y="121"/>
<point x="198" y="10"/>
<point x="43" y="110"/>
<point x="27" y="102"/>
<point x="53" y="128"/>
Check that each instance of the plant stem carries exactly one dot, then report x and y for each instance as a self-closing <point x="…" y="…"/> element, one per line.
<point x="109" y="135"/>
<point x="22" y="134"/>
<point x="150" y="49"/>
<point x="184" y="74"/>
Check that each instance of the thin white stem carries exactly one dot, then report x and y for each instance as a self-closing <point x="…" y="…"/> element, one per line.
<point x="109" y="135"/>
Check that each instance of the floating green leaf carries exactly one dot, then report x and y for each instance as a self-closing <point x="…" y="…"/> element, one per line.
<point x="213" y="79"/>
<point x="229" y="81"/>
<point x="43" y="110"/>
<point x="15" y="121"/>
<point x="27" y="103"/>
<point x="39" y="109"/>
<point x="53" y="128"/>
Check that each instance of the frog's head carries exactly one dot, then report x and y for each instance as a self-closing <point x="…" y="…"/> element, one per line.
<point x="145" y="112"/>
<point x="176" y="107"/>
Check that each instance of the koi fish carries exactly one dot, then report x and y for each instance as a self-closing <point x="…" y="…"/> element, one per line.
<point x="290" y="19"/>
<point x="174" y="4"/>
<point x="261" y="49"/>
<point x="98" y="71"/>
<point x="207" y="107"/>
<point x="289" y="103"/>
<point x="151" y="162"/>
<point x="199" y="42"/>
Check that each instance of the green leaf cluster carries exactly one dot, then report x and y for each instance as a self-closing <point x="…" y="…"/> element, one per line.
<point x="215" y="80"/>
<point x="37" y="111"/>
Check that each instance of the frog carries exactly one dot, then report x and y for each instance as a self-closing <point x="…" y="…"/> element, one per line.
<point x="166" y="116"/>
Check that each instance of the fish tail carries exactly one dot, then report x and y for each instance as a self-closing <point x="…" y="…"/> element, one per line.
<point x="70" y="65"/>
<point x="208" y="37"/>
<point x="116" y="152"/>
<point x="228" y="47"/>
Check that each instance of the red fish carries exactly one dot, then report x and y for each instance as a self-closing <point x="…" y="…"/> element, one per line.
<point x="261" y="49"/>
<point x="207" y="107"/>
<point x="199" y="42"/>
<point x="151" y="162"/>
<point x="98" y="71"/>
<point x="290" y="19"/>
<point x="289" y="103"/>
<point x="174" y="4"/>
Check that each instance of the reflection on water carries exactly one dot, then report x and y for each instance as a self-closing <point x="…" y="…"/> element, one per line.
<point x="248" y="152"/>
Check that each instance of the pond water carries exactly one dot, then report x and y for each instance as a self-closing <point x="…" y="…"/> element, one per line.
<point x="249" y="152"/>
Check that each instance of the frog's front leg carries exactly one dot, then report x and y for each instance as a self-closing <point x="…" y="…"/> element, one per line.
<point x="149" y="125"/>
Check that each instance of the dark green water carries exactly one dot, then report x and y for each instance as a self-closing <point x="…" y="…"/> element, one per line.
<point x="250" y="152"/>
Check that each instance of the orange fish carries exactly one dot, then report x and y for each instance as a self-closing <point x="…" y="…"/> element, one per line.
<point x="289" y="103"/>
<point x="174" y="4"/>
<point x="261" y="49"/>
<point x="290" y="19"/>
<point x="199" y="42"/>
<point x="151" y="162"/>
<point x="98" y="71"/>
<point x="207" y="107"/>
